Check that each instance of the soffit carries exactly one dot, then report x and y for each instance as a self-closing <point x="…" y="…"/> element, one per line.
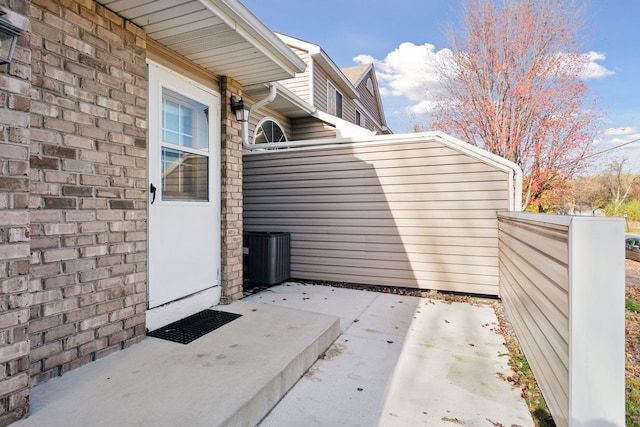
<point x="222" y="36"/>
<point x="285" y="102"/>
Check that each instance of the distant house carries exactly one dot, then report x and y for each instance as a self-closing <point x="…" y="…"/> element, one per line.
<point x="323" y="101"/>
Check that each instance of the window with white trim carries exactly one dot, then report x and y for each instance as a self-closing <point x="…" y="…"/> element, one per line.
<point x="267" y="131"/>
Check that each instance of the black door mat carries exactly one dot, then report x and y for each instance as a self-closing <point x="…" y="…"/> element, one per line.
<point x="193" y="327"/>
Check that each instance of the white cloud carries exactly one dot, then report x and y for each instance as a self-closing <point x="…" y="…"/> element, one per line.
<point x="618" y="131"/>
<point x="593" y="70"/>
<point x="409" y="71"/>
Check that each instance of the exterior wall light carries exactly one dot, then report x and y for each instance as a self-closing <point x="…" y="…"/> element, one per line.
<point x="8" y="35"/>
<point x="239" y="109"/>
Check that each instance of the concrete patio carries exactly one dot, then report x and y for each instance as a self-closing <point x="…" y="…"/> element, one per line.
<point x="397" y="361"/>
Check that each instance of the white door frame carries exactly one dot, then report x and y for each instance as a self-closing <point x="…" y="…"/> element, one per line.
<point x="166" y="309"/>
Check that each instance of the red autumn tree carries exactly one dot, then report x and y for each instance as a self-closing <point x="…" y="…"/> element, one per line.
<point x="513" y="87"/>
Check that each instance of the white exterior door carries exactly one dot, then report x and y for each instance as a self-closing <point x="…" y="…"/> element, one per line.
<point x="184" y="188"/>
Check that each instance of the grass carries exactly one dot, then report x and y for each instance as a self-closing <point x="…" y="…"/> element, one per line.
<point x="531" y="392"/>
<point x="632" y="305"/>
<point x="523" y="376"/>
<point x="633" y="401"/>
<point x="632" y="381"/>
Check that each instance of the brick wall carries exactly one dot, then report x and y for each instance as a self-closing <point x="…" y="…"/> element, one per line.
<point x="231" y="197"/>
<point x="88" y="181"/>
<point x="14" y="221"/>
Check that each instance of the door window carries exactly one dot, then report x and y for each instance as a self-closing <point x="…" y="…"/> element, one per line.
<point x="184" y="149"/>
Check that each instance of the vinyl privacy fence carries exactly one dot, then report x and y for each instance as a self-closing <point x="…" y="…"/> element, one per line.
<point x="416" y="211"/>
<point x="562" y="284"/>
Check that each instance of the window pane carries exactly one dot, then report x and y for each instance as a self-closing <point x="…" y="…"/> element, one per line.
<point x="331" y="99"/>
<point x="185" y="122"/>
<point x="185" y="176"/>
<point x="338" y="104"/>
<point x="269" y="131"/>
<point x="170" y="121"/>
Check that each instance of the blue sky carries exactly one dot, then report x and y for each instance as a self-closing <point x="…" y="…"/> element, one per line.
<point x="401" y="37"/>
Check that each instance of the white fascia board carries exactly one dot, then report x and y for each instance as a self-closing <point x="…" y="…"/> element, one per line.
<point x="313" y="49"/>
<point x="283" y="93"/>
<point x="237" y="16"/>
<point x="294" y="99"/>
<point x="371" y="70"/>
<point x="361" y="78"/>
<point x="337" y="76"/>
<point x="378" y="97"/>
<point x="317" y="54"/>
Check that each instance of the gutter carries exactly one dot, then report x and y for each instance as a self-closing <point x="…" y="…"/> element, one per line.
<point x="273" y="91"/>
<point x="239" y="17"/>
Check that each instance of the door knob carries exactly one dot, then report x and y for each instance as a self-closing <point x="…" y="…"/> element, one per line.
<point x="153" y="189"/>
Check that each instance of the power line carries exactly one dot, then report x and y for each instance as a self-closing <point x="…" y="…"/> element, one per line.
<point x="612" y="148"/>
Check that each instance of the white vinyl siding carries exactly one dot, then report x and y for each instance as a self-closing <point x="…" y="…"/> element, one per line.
<point x="535" y="287"/>
<point x="419" y="215"/>
<point x="306" y="128"/>
<point x="300" y="84"/>
<point x="325" y="87"/>
<point x="368" y="100"/>
<point x="553" y="270"/>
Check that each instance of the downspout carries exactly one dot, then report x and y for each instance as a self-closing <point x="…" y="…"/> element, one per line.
<point x="245" y="125"/>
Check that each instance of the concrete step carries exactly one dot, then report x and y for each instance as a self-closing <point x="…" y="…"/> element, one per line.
<point x="232" y="376"/>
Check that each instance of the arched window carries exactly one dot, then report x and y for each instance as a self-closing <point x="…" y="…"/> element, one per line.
<point x="370" y="85"/>
<point x="268" y="130"/>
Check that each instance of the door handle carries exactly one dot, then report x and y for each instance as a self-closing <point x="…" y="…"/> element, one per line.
<point x="153" y="192"/>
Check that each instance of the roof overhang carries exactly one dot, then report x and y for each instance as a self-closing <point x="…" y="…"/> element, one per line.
<point x="222" y="36"/>
<point x="286" y="102"/>
<point x="324" y="61"/>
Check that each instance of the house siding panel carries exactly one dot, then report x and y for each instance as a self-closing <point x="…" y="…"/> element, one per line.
<point x="368" y="100"/>
<point x="311" y="128"/>
<point x="320" y="80"/>
<point x="88" y="193"/>
<point x="300" y="84"/>
<point x="537" y="301"/>
<point x="419" y="215"/>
